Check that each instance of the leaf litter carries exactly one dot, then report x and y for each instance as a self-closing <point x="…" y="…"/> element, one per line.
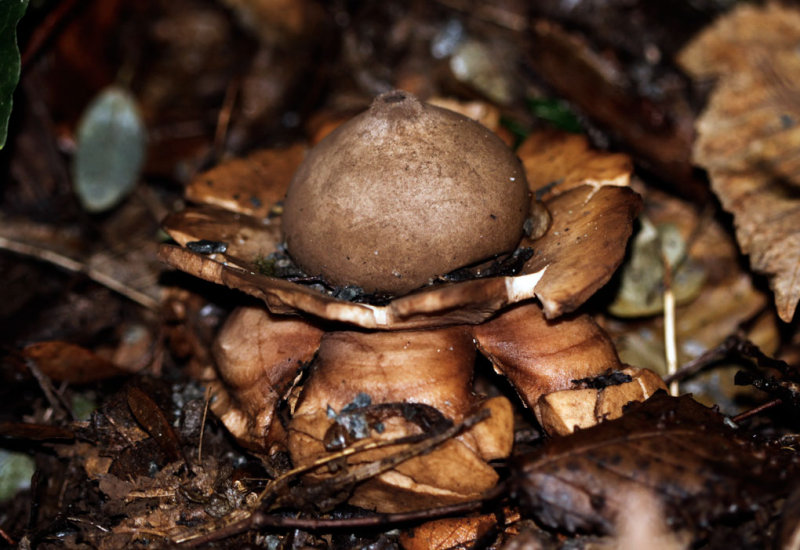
<point x="154" y="464"/>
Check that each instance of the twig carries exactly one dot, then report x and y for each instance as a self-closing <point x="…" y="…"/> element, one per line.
<point x="670" y="344"/>
<point x="700" y="362"/>
<point x="7" y="538"/>
<point x="56" y="400"/>
<point x="203" y="425"/>
<point x="224" y="116"/>
<point x="65" y="262"/>
<point x="756" y="410"/>
<point x="260" y="520"/>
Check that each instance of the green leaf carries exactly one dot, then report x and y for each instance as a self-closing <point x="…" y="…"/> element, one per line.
<point x="11" y="12"/>
<point x="111" y="142"/>
<point x="557" y="113"/>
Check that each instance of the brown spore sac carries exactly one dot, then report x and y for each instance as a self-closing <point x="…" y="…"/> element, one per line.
<point x="401" y="194"/>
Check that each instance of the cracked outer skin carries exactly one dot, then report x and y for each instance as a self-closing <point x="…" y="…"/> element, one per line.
<point x="402" y="193"/>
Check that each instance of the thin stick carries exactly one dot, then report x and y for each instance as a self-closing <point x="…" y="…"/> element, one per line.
<point x="65" y="262"/>
<point x="756" y="410"/>
<point x="7" y="538"/>
<point x="203" y="426"/>
<point x="56" y="400"/>
<point x="260" y="520"/>
<point x="224" y="117"/>
<point x="670" y="344"/>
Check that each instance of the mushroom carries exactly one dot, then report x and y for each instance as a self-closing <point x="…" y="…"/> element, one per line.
<point x="402" y="193"/>
<point x="398" y="351"/>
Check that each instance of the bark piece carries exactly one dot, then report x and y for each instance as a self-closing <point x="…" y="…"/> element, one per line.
<point x="258" y="356"/>
<point x="748" y="136"/>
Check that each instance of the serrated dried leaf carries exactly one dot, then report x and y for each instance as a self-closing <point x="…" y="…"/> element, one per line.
<point x="681" y="453"/>
<point x="748" y="135"/>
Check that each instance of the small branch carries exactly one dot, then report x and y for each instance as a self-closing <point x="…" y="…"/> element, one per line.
<point x="670" y="343"/>
<point x="708" y="357"/>
<point x="56" y="400"/>
<point x="756" y="410"/>
<point x="67" y="263"/>
<point x="260" y="520"/>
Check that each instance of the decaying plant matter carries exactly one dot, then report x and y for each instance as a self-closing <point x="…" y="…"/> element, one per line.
<point x="441" y="306"/>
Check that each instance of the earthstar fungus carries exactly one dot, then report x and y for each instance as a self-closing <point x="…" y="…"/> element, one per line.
<point x="417" y="349"/>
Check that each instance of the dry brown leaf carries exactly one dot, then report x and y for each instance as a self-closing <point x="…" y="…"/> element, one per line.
<point x="250" y="185"/>
<point x="674" y="449"/>
<point x="66" y="362"/>
<point x="555" y="162"/>
<point x="597" y="84"/>
<point x="154" y="421"/>
<point x="748" y="136"/>
<point x="448" y="533"/>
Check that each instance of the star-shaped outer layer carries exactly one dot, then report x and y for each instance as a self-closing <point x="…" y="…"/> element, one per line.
<point x="422" y="346"/>
<point x="591" y="222"/>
